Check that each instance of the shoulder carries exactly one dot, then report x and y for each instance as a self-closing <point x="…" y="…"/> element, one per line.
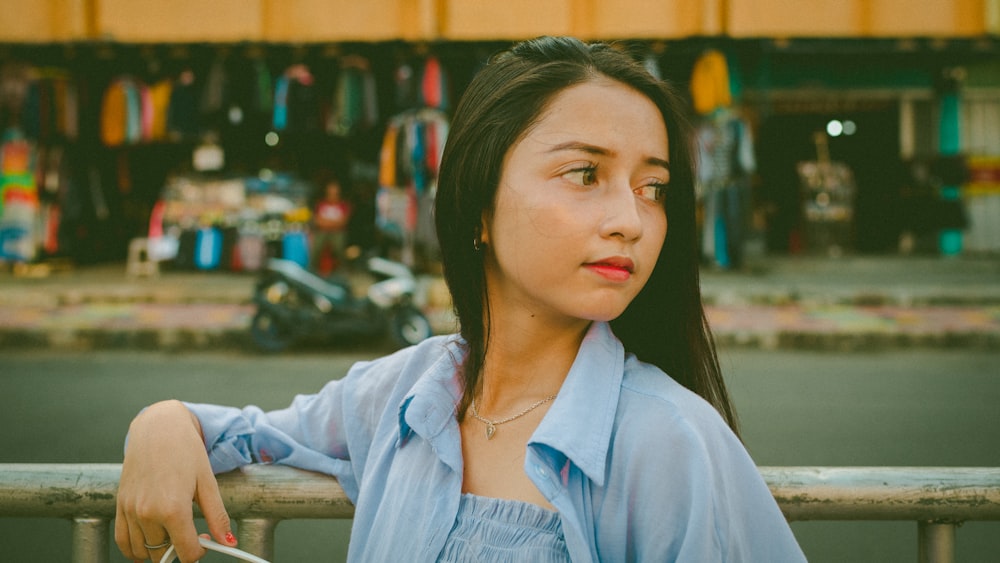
<point x="684" y="441"/>
<point x="651" y="397"/>
<point x="674" y="464"/>
<point x="681" y="468"/>
<point x="396" y="373"/>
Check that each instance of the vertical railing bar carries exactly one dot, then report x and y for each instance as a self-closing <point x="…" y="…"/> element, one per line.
<point x="256" y="535"/>
<point x="936" y="542"/>
<point x="90" y="540"/>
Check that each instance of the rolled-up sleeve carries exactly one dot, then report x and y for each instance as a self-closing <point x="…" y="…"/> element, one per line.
<point x="312" y="433"/>
<point x="227" y="434"/>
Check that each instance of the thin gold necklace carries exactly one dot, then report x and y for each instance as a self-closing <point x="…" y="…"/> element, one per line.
<point x="491" y="425"/>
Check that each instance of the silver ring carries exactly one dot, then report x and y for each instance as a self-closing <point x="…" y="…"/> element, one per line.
<point x="165" y="543"/>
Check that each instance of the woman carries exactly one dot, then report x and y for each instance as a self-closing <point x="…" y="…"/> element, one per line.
<point x="548" y="430"/>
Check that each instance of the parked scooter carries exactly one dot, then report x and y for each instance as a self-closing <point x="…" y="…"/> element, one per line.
<point x="294" y="304"/>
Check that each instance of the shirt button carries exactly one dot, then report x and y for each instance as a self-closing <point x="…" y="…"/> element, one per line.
<point x="540" y="471"/>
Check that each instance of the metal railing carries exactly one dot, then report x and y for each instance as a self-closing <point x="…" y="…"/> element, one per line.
<point x="259" y="496"/>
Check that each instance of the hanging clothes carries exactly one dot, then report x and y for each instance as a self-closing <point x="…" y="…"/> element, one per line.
<point x="214" y="93"/>
<point x="412" y="148"/>
<point x="127" y="112"/>
<point x="57" y="104"/>
<point x="159" y="104"/>
<point x="387" y="157"/>
<point x="67" y="105"/>
<point x="241" y="110"/>
<point x="133" y="112"/>
<point x="434" y="85"/>
<point x="296" y="104"/>
<point x="50" y="182"/>
<point x="279" y="120"/>
<point x="263" y="91"/>
<point x="710" y="83"/>
<point x="182" y="111"/>
<point x="114" y="108"/>
<point x="354" y="106"/>
<point x="727" y="163"/>
<point x="15" y="79"/>
<point x="409" y="161"/>
<point x="405" y="87"/>
<point x="19" y="206"/>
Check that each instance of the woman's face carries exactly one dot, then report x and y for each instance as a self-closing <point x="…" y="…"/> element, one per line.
<point x="578" y="222"/>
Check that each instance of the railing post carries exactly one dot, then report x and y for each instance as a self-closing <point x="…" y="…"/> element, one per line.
<point x="936" y="542"/>
<point x="256" y="535"/>
<point x="90" y="540"/>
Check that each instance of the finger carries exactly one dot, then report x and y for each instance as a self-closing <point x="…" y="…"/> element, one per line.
<point x="185" y="539"/>
<point x="214" y="510"/>
<point x="122" y="536"/>
<point x="155" y="548"/>
<point x="138" y="541"/>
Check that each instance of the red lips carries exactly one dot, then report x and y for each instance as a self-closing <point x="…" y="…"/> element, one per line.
<point x="616" y="268"/>
<point x="619" y="262"/>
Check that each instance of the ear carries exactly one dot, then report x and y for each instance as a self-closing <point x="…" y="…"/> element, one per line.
<point x="483" y="231"/>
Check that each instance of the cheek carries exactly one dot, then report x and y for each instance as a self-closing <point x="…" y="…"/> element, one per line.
<point x="558" y="222"/>
<point x="534" y="218"/>
<point x="655" y="233"/>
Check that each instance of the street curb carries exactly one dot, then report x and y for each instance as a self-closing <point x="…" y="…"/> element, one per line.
<point x="857" y="342"/>
<point x="173" y="340"/>
<point x="778" y="298"/>
<point x="238" y="339"/>
<point x="847" y="306"/>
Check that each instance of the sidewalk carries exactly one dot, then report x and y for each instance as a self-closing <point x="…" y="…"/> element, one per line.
<point x="842" y="304"/>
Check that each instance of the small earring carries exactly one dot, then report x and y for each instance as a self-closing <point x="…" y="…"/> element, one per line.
<point x="476" y="244"/>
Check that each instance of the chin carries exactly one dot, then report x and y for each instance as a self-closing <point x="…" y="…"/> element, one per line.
<point x="607" y="309"/>
<point x="604" y="314"/>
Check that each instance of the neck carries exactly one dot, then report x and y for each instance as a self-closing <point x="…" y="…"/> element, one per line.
<point x="526" y="361"/>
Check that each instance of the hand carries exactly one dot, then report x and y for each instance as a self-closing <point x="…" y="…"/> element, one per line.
<point x="165" y="469"/>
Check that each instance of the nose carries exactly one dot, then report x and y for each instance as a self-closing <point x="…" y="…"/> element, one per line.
<point x="621" y="213"/>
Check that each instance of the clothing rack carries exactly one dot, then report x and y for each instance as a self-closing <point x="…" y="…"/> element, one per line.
<point x="116" y="166"/>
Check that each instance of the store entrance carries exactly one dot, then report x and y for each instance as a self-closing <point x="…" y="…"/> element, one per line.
<point x="862" y="135"/>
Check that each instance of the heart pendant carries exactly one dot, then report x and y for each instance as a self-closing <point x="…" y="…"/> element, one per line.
<point x="490" y="430"/>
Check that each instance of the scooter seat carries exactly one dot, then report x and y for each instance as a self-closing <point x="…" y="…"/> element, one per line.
<point x="293" y="271"/>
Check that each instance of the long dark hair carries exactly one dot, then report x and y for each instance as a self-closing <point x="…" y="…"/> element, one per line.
<point x="665" y="324"/>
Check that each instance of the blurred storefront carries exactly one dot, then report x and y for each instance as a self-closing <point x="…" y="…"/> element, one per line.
<point x="864" y="126"/>
<point x="905" y="118"/>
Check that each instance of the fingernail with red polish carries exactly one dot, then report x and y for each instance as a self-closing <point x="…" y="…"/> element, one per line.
<point x="230" y="538"/>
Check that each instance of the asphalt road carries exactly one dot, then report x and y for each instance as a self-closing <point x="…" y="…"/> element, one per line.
<point x="908" y="407"/>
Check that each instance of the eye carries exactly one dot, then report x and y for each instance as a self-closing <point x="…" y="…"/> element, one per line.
<point x="652" y="192"/>
<point x="584" y="176"/>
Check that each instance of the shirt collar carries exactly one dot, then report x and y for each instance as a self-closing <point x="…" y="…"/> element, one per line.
<point x="429" y="407"/>
<point x="580" y="421"/>
<point x="578" y="425"/>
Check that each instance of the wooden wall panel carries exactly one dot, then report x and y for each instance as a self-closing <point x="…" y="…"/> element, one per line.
<point x="793" y="18"/>
<point x="370" y="20"/>
<point x="857" y="18"/>
<point x="932" y="18"/>
<point x="637" y="19"/>
<point x="510" y="19"/>
<point x="145" y="21"/>
<point x="42" y="21"/>
<point x="302" y="21"/>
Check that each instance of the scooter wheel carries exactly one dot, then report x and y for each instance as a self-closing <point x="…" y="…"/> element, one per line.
<point x="408" y="326"/>
<point x="269" y="334"/>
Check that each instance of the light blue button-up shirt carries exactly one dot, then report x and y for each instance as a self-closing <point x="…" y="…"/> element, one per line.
<point x="638" y="467"/>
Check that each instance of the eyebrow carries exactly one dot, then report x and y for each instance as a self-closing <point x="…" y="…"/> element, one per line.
<point x="593" y="149"/>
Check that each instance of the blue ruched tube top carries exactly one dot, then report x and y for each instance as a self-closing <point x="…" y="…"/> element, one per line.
<point x="493" y="530"/>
